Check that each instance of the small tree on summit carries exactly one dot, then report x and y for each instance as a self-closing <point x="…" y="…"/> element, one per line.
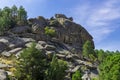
<point x="22" y="16"/>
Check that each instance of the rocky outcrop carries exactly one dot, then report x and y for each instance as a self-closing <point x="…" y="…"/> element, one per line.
<point x="66" y="44"/>
<point x="67" y="31"/>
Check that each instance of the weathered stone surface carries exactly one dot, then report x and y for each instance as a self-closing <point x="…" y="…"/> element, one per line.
<point x="9" y="53"/>
<point x="18" y="54"/>
<point x="17" y="41"/>
<point x="61" y="56"/>
<point x="13" y="51"/>
<point x="50" y="47"/>
<point x="6" y="54"/>
<point x="43" y="43"/>
<point x="4" y="40"/>
<point x="3" y="75"/>
<point x="76" y="68"/>
<point x="26" y="40"/>
<point x="28" y="44"/>
<point x="38" y="46"/>
<point x="72" y="34"/>
<point x="66" y="44"/>
<point x="60" y="16"/>
<point x="36" y="28"/>
<point x="21" y="29"/>
<point x="2" y="47"/>
<point x="3" y="65"/>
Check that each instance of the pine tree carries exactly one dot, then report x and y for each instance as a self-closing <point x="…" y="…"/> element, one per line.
<point x="56" y="71"/>
<point x="31" y="65"/>
<point x="110" y="68"/>
<point x="22" y="16"/>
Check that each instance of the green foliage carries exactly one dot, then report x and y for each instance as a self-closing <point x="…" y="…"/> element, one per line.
<point x="110" y="68"/>
<point x="77" y="76"/>
<point x="101" y="55"/>
<point x="49" y="31"/>
<point x="95" y="79"/>
<point x="22" y="16"/>
<point x="9" y="17"/>
<point x="56" y="71"/>
<point x="31" y="65"/>
<point x="88" y="51"/>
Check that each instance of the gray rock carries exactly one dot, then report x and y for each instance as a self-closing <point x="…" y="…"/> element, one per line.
<point x="68" y="56"/>
<point x="17" y="42"/>
<point x="14" y="51"/>
<point x="11" y="46"/>
<point x="60" y="16"/>
<point x="76" y="68"/>
<point x="61" y="56"/>
<point x="3" y="65"/>
<point x="18" y="54"/>
<point x="3" y="47"/>
<point x="9" y="53"/>
<point x="36" y="28"/>
<point x="26" y="40"/>
<point x="28" y="44"/>
<point x="3" y="75"/>
<point x="20" y="29"/>
<point x="38" y="46"/>
<point x="3" y="40"/>
<point x="43" y="43"/>
<point x="6" y="54"/>
<point x="50" y="47"/>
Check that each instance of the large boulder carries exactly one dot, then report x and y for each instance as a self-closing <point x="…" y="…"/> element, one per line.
<point x="21" y="29"/>
<point x="36" y="28"/>
<point x="16" y="42"/>
<point x="60" y="16"/>
<point x="72" y="34"/>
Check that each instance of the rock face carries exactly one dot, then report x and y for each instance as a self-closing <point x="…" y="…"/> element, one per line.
<point x="66" y="44"/>
<point x="67" y="31"/>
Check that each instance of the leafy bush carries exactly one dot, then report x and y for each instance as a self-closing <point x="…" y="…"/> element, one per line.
<point x="49" y="31"/>
<point x="77" y="76"/>
<point x="88" y="51"/>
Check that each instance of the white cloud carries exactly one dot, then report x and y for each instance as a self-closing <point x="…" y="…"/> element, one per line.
<point x="98" y="18"/>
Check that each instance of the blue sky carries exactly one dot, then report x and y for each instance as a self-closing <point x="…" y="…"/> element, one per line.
<point x="100" y="17"/>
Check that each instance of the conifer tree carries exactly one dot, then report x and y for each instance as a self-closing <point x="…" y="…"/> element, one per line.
<point x="110" y="68"/>
<point x="31" y="64"/>
<point x="56" y="70"/>
<point x="22" y="16"/>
